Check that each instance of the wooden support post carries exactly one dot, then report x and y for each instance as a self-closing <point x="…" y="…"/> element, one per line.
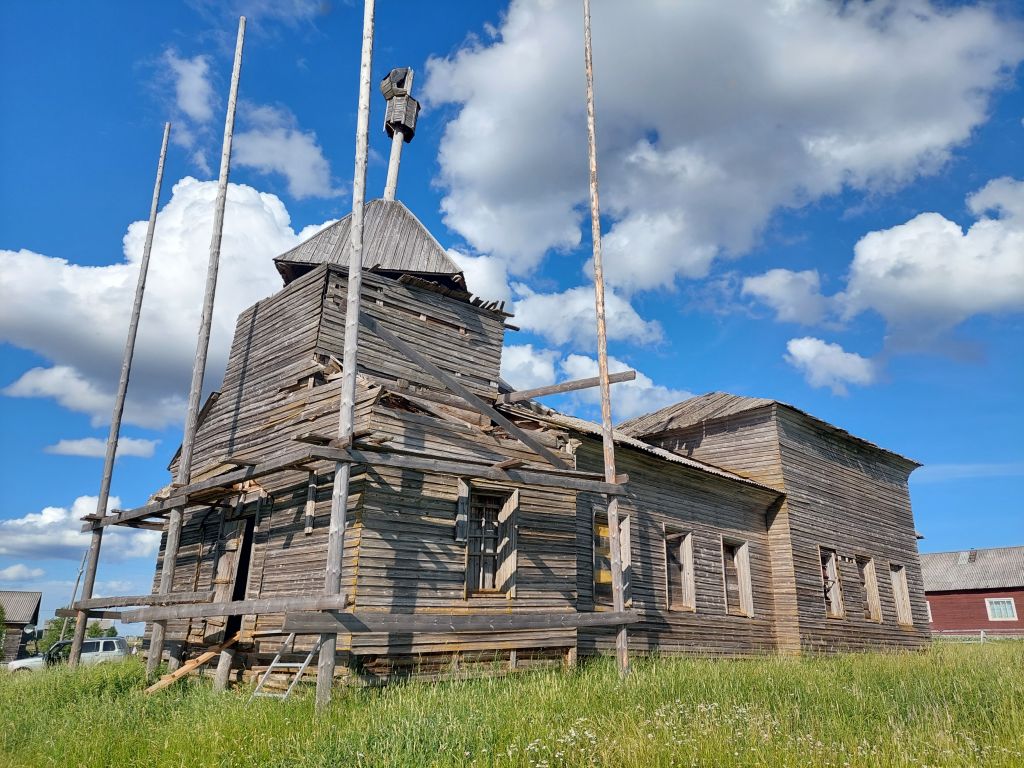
<point x="93" y="555"/>
<point x="74" y="593"/>
<point x="202" y="348"/>
<point x="343" y="469"/>
<point x="311" y="492"/>
<point x="608" y="440"/>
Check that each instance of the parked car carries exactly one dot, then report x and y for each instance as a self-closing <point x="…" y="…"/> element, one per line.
<point x="94" y="651"/>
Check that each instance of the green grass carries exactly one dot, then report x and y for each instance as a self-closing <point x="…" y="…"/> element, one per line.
<point x="955" y="705"/>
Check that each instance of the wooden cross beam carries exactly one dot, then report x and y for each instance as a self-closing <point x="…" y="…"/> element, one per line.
<point x="565" y="386"/>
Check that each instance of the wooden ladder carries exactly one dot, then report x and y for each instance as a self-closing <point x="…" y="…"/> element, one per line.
<point x="299" y="667"/>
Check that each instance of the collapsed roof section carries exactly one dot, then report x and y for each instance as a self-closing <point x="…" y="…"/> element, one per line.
<point x="395" y="242"/>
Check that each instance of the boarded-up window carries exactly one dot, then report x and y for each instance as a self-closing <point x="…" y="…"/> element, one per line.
<point x="900" y="594"/>
<point x="491" y="546"/>
<point x="869" y="587"/>
<point x="831" y="588"/>
<point x="679" y="581"/>
<point x="739" y="597"/>
<point x="603" y="559"/>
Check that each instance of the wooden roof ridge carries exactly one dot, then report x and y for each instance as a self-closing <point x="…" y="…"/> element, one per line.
<point x="395" y="240"/>
<point x="718" y="405"/>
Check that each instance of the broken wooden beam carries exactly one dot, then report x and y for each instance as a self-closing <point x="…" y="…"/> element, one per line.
<point x="71" y="613"/>
<point x="190" y="666"/>
<point x="474" y="401"/>
<point x="123" y="601"/>
<point x="565" y="386"/>
<point x="339" y="622"/>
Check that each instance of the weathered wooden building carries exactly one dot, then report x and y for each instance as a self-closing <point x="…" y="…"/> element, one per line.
<point x="749" y="526"/>
<point x="20" y="610"/>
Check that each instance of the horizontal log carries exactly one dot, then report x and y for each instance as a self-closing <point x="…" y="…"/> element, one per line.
<point x="70" y="613"/>
<point x="338" y="622"/>
<point x="122" y="601"/>
<point x="565" y="386"/>
<point x="467" y="469"/>
<point x="183" y="494"/>
<point x="236" y="608"/>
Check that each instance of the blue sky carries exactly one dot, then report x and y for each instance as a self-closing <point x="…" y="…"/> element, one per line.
<point x="816" y="203"/>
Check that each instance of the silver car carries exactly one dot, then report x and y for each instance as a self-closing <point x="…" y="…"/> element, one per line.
<point x="94" y="651"/>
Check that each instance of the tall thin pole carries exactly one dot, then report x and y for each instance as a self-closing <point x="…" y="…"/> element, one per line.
<point x="74" y="592"/>
<point x="92" y="556"/>
<point x="342" y="470"/>
<point x="202" y="348"/>
<point x="608" y="440"/>
<point x="397" y="140"/>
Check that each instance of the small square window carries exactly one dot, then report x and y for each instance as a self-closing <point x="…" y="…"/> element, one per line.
<point x="1001" y="609"/>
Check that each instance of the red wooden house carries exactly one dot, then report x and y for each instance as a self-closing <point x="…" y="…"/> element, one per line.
<point x="975" y="590"/>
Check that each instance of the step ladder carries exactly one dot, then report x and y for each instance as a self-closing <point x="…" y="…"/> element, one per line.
<point x="278" y="665"/>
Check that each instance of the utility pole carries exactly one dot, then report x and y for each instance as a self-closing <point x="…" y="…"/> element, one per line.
<point x="608" y="439"/>
<point x="92" y="556"/>
<point x="343" y="469"/>
<point x="184" y="475"/>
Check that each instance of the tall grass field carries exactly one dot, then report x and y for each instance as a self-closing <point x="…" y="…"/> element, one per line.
<point x="954" y="705"/>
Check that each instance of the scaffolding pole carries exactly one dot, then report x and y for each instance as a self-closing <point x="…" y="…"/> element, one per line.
<point x="342" y="469"/>
<point x="92" y="556"/>
<point x="184" y="473"/>
<point x="608" y="439"/>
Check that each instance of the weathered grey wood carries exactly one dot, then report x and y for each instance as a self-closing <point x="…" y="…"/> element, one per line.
<point x="621" y="642"/>
<point x="172" y="598"/>
<point x="235" y="608"/>
<point x="466" y="469"/>
<point x="366" y="622"/>
<point x="93" y="554"/>
<point x="90" y="614"/>
<point x="397" y="140"/>
<point x="455" y="386"/>
<point x="565" y="386"/>
<point x="342" y="469"/>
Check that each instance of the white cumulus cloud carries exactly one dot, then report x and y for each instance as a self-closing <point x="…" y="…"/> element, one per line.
<point x="20" y="572"/>
<point x="193" y="91"/>
<point x="274" y="143"/>
<point x="77" y="316"/>
<point x="94" y="447"/>
<point x="829" y="365"/>
<point x="795" y="296"/>
<point x="55" y="533"/>
<point x="711" y="116"/>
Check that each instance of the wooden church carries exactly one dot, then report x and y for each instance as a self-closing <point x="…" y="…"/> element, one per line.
<point x="748" y="526"/>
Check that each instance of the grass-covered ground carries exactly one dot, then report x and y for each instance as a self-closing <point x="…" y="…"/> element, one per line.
<point x="955" y="705"/>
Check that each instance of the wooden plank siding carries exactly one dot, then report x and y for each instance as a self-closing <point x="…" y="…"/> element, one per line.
<point x="841" y="494"/>
<point x="709" y="506"/>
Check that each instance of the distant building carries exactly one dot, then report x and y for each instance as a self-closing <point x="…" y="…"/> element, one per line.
<point x="20" y="610"/>
<point x="974" y="590"/>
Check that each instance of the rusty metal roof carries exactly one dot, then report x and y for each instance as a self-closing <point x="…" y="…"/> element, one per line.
<point x="996" y="568"/>
<point x="718" y="405"/>
<point x="394" y="240"/>
<point x="20" y="607"/>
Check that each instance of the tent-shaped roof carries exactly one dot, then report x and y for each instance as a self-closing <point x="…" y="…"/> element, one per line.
<point x="20" y="607"/>
<point x="718" y="405"/>
<point x="394" y="240"/>
<point x="996" y="568"/>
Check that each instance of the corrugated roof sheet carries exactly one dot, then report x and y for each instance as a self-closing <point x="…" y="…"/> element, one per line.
<point x="717" y="405"/>
<point x="393" y="240"/>
<point x="590" y="428"/>
<point x="20" y="607"/>
<point x="997" y="568"/>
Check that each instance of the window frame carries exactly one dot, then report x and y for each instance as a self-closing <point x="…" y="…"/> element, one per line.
<point x="901" y="595"/>
<point x="835" y="606"/>
<point x="625" y="557"/>
<point x="507" y="539"/>
<point x="868" y="575"/>
<point x="741" y="562"/>
<point x="1013" y="608"/>
<point x="687" y="577"/>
